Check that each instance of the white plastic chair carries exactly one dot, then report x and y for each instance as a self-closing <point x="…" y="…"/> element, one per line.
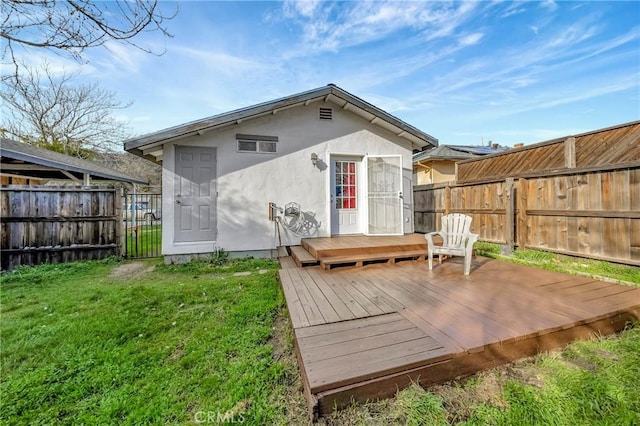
<point x="457" y="239"/>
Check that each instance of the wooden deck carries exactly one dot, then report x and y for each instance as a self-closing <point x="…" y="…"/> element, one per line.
<point x="363" y="333"/>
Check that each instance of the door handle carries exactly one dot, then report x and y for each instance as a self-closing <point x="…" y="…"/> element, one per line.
<point x="178" y="202"/>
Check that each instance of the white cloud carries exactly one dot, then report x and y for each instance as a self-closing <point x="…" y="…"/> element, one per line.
<point x="125" y="57"/>
<point x="220" y="61"/>
<point x="471" y="39"/>
<point x="573" y="35"/>
<point x="511" y="12"/>
<point x="333" y="26"/>
<point x="549" y="4"/>
<point x="305" y="8"/>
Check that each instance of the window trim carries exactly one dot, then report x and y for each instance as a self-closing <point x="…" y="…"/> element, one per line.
<point x="258" y="140"/>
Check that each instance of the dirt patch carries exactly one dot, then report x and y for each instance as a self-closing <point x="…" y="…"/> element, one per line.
<point x="177" y="353"/>
<point x="278" y="337"/>
<point x="129" y="270"/>
<point x="292" y="400"/>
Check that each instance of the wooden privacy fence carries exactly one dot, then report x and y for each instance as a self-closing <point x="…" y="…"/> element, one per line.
<point x="59" y="224"/>
<point x="589" y="213"/>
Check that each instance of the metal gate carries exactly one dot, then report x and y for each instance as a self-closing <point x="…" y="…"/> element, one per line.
<point x="142" y="223"/>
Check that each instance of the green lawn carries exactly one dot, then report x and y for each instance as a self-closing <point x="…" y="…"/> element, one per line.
<point x="172" y="345"/>
<point x="111" y="343"/>
<point x="145" y="241"/>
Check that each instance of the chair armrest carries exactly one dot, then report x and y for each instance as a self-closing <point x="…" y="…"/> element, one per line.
<point x="472" y="238"/>
<point x="429" y="237"/>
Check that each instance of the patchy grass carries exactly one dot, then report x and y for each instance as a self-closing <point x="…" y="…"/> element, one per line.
<point x="111" y="342"/>
<point x="83" y="345"/>
<point x="623" y="274"/>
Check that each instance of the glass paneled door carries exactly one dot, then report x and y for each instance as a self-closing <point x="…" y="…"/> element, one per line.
<point x="384" y="191"/>
<point x="345" y="196"/>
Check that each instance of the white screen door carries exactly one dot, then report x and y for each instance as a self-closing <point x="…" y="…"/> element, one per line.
<point x="384" y="191"/>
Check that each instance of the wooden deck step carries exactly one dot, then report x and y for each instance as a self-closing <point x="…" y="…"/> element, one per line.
<point x="362" y="258"/>
<point x="324" y="247"/>
<point x="282" y="251"/>
<point x="302" y="257"/>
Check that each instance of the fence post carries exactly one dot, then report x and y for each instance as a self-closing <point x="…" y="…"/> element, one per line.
<point x="521" y="223"/>
<point x="118" y="200"/>
<point x="509" y="219"/>
<point x="570" y="153"/>
<point x="447" y="199"/>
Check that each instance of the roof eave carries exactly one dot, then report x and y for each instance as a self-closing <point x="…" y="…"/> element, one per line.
<point x="20" y="156"/>
<point x="138" y="145"/>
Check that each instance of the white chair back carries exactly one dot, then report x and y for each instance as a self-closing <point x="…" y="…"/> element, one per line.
<point x="456" y="228"/>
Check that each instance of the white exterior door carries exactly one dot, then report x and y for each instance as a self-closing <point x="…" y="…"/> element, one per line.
<point x="195" y="194"/>
<point x="384" y="195"/>
<point x="346" y="196"/>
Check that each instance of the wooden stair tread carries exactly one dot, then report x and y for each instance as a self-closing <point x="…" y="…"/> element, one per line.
<point x="302" y="257"/>
<point x="323" y="247"/>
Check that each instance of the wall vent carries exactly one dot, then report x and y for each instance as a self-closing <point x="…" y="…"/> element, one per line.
<point x="325" y="114"/>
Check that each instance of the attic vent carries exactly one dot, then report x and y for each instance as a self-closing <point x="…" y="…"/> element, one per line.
<point x="326" y="114"/>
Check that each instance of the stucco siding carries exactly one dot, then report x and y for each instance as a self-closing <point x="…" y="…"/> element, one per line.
<point x="247" y="182"/>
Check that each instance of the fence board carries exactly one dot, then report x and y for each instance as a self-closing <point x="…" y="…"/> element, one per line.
<point x="58" y="224"/>
<point x="588" y="213"/>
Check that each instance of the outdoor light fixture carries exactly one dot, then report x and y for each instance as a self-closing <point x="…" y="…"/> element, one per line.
<point x="314" y="158"/>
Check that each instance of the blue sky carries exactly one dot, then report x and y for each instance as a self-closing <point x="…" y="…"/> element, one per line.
<point x="464" y="72"/>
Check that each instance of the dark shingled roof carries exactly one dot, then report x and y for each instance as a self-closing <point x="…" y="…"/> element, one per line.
<point x="18" y="158"/>
<point x="454" y="152"/>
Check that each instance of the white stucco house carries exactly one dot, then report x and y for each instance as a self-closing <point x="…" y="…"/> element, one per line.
<point x="319" y="163"/>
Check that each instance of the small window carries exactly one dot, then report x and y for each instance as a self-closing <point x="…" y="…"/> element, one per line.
<point x="249" y="146"/>
<point x="325" y="114"/>
<point x="266" y="146"/>
<point x="257" y="143"/>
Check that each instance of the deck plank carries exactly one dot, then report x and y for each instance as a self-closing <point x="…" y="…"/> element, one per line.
<point x="369" y="305"/>
<point x="362" y="333"/>
<point x="355" y="332"/>
<point x="324" y="305"/>
<point x="335" y="327"/>
<point x="311" y="310"/>
<point x="350" y="302"/>
<point x="296" y="311"/>
<point x="376" y="362"/>
<point x="366" y="350"/>
<point x="343" y="311"/>
<point x="514" y="301"/>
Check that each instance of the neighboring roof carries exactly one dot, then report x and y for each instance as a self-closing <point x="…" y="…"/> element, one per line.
<point x="455" y="152"/>
<point x="21" y="159"/>
<point x="332" y="93"/>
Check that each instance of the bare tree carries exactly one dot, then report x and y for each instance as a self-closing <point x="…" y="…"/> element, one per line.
<point x="49" y="111"/>
<point x="71" y="26"/>
<point x="134" y="166"/>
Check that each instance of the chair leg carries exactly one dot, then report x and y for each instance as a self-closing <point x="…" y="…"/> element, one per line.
<point x="430" y="255"/>
<point x="439" y="258"/>
<point x="467" y="264"/>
